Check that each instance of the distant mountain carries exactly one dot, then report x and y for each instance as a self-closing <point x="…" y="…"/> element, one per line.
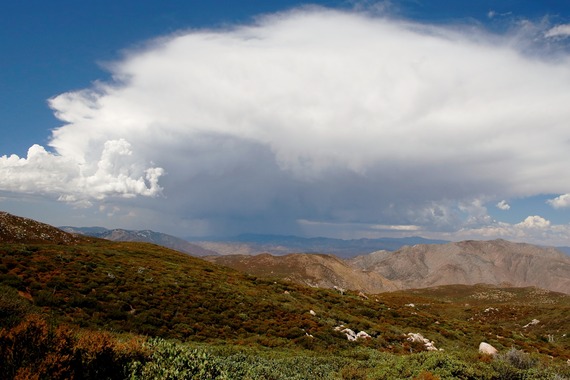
<point x="16" y="229"/>
<point x="252" y="244"/>
<point x="145" y="236"/>
<point x="496" y="262"/>
<point x="315" y="270"/>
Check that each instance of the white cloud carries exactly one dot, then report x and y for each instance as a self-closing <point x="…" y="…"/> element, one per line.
<point x="492" y="14"/>
<point x="534" y="229"/>
<point x="503" y="205"/>
<point x="534" y="221"/>
<point x="559" y="31"/>
<point x="75" y="181"/>
<point x="560" y="202"/>
<point x="315" y="115"/>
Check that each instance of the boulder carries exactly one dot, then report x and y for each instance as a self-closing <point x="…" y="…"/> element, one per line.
<point x="486" y="348"/>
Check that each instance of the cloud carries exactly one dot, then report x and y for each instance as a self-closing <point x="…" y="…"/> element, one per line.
<point x="562" y="30"/>
<point x="534" y="221"/>
<point x="492" y="14"/>
<point x="534" y="228"/>
<point x="75" y="181"/>
<point x="503" y="205"/>
<point x="317" y="115"/>
<point x="560" y="202"/>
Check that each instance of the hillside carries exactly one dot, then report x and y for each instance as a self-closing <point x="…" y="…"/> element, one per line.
<point x="15" y="229"/>
<point x="315" y="270"/>
<point x="471" y="262"/>
<point x="147" y="236"/>
<point x="142" y="288"/>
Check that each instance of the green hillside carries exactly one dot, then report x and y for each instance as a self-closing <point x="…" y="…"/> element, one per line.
<point x="135" y="291"/>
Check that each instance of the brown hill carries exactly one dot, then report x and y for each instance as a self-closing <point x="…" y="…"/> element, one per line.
<point x="15" y="229"/>
<point x="471" y="262"/>
<point x="316" y="270"/>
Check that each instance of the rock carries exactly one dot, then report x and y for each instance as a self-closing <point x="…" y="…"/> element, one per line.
<point x="312" y="312"/>
<point x="339" y="289"/>
<point x="486" y="348"/>
<point x="362" y="295"/>
<point x="428" y="344"/>
<point x="531" y="323"/>
<point x="351" y="335"/>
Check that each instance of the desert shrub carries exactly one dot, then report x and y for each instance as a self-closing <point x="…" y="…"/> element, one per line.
<point x="13" y="307"/>
<point x="169" y="360"/>
<point x="22" y="345"/>
<point x="11" y="280"/>
<point x="353" y="372"/>
<point x="439" y="365"/>
<point x="35" y="350"/>
<point x="46" y="298"/>
<point x="425" y="375"/>
<point x="516" y="364"/>
<point x="518" y="359"/>
<point x="95" y="357"/>
<point x="289" y="366"/>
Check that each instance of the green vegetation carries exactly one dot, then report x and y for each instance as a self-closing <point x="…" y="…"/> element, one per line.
<point x="108" y="310"/>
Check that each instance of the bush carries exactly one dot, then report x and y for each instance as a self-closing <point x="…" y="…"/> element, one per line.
<point x="169" y="360"/>
<point x="518" y="359"/>
<point x="34" y="350"/>
<point x="13" y="307"/>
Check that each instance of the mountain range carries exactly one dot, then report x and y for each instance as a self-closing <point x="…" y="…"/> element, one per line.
<point x="497" y="262"/>
<point x="253" y="244"/>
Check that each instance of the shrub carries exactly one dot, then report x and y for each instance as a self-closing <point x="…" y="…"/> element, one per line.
<point x="518" y="359"/>
<point x="169" y="360"/>
<point x="13" y="307"/>
<point x="23" y="345"/>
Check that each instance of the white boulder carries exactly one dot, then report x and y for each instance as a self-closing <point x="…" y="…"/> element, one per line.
<point x="428" y="344"/>
<point x="486" y="348"/>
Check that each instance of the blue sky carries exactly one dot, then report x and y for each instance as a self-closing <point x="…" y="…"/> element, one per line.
<point x="348" y="119"/>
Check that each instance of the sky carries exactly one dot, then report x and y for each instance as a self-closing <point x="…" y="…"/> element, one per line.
<point x="344" y="119"/>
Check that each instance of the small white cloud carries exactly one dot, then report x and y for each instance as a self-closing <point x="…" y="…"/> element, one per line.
<point x="560" y="202"/>
<point x="559" y="31"/>
<point x="503" y="205"/>
<point x="492" y="14"/>
<point x="534" y="222"/>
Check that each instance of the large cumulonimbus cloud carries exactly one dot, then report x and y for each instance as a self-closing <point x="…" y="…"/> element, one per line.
<point x="316" y="116"/>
